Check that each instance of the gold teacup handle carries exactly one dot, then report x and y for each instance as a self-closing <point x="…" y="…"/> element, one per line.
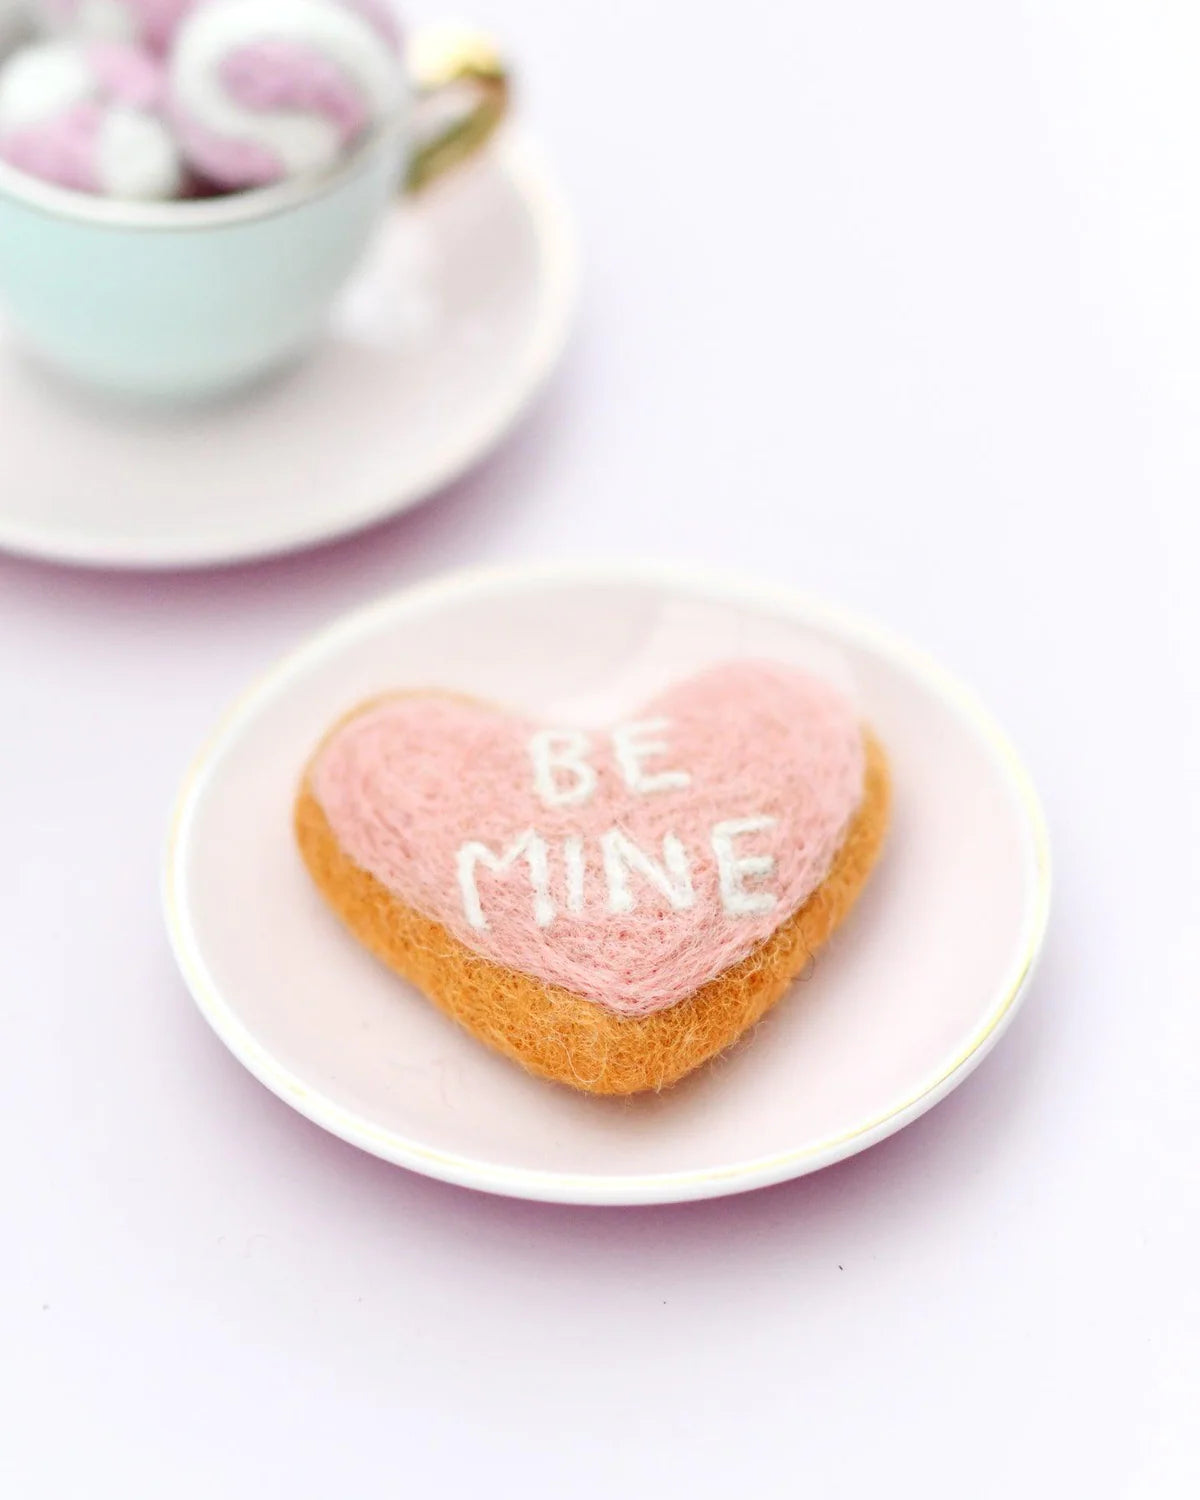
<point x="447" y="59"/>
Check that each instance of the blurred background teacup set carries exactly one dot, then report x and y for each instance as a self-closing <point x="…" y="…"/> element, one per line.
<point x="247" y="246"/>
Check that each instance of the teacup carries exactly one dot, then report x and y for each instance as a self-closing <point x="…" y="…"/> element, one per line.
<point x="194" y="299"/>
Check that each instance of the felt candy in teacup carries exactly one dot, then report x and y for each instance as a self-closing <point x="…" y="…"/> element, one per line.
<point x="263" y="90"/>
<point x="89" y="116"/>
<point x="609" y="908"/>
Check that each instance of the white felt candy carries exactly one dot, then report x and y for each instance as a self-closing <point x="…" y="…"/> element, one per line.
<point x="149" y="23"/>
<point x="263" y="90"/>
<point x="88" y="116"/>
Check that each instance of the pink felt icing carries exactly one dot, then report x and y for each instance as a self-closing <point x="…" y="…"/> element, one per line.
<point x="407" y="783"/>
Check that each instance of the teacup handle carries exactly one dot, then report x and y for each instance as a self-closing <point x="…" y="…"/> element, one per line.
<point x="446" y="59"/>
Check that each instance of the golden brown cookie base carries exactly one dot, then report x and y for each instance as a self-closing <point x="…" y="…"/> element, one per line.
<point x="561" y="1035"/>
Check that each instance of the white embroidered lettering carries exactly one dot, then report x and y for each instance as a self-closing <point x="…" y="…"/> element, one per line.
<point x="555" y="751"/>
<point x="631" y="748"/>
<point x="673" y="878"/>
<point x="733" y="868"/>
<point x="527" y="845"/>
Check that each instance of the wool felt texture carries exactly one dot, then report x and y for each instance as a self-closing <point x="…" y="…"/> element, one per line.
<point x="669" y="959"/>
<point x="641" y="862"/>
<point x="562" y="1036"/>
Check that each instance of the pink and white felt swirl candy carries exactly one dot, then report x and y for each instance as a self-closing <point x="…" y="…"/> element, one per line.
<point x="149" y="23"/>
<point x="89" y="116"/>
<point x="263" y="90"/>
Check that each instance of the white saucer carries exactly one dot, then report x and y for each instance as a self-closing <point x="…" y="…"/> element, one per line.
<point x="439" y="344"/>
<point x="908" y="998"/>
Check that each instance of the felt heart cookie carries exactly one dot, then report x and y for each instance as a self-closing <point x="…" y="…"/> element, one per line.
<point x="610" y="908"/>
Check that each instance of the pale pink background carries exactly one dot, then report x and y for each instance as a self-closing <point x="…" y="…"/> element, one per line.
<point x="927" y="345"/>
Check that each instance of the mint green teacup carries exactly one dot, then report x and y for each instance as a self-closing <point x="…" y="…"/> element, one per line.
<point x="183" y="301"/>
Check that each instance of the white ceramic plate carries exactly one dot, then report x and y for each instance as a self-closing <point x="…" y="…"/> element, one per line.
<point x="907" y="999"/>
<point x="447" y="331"/>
